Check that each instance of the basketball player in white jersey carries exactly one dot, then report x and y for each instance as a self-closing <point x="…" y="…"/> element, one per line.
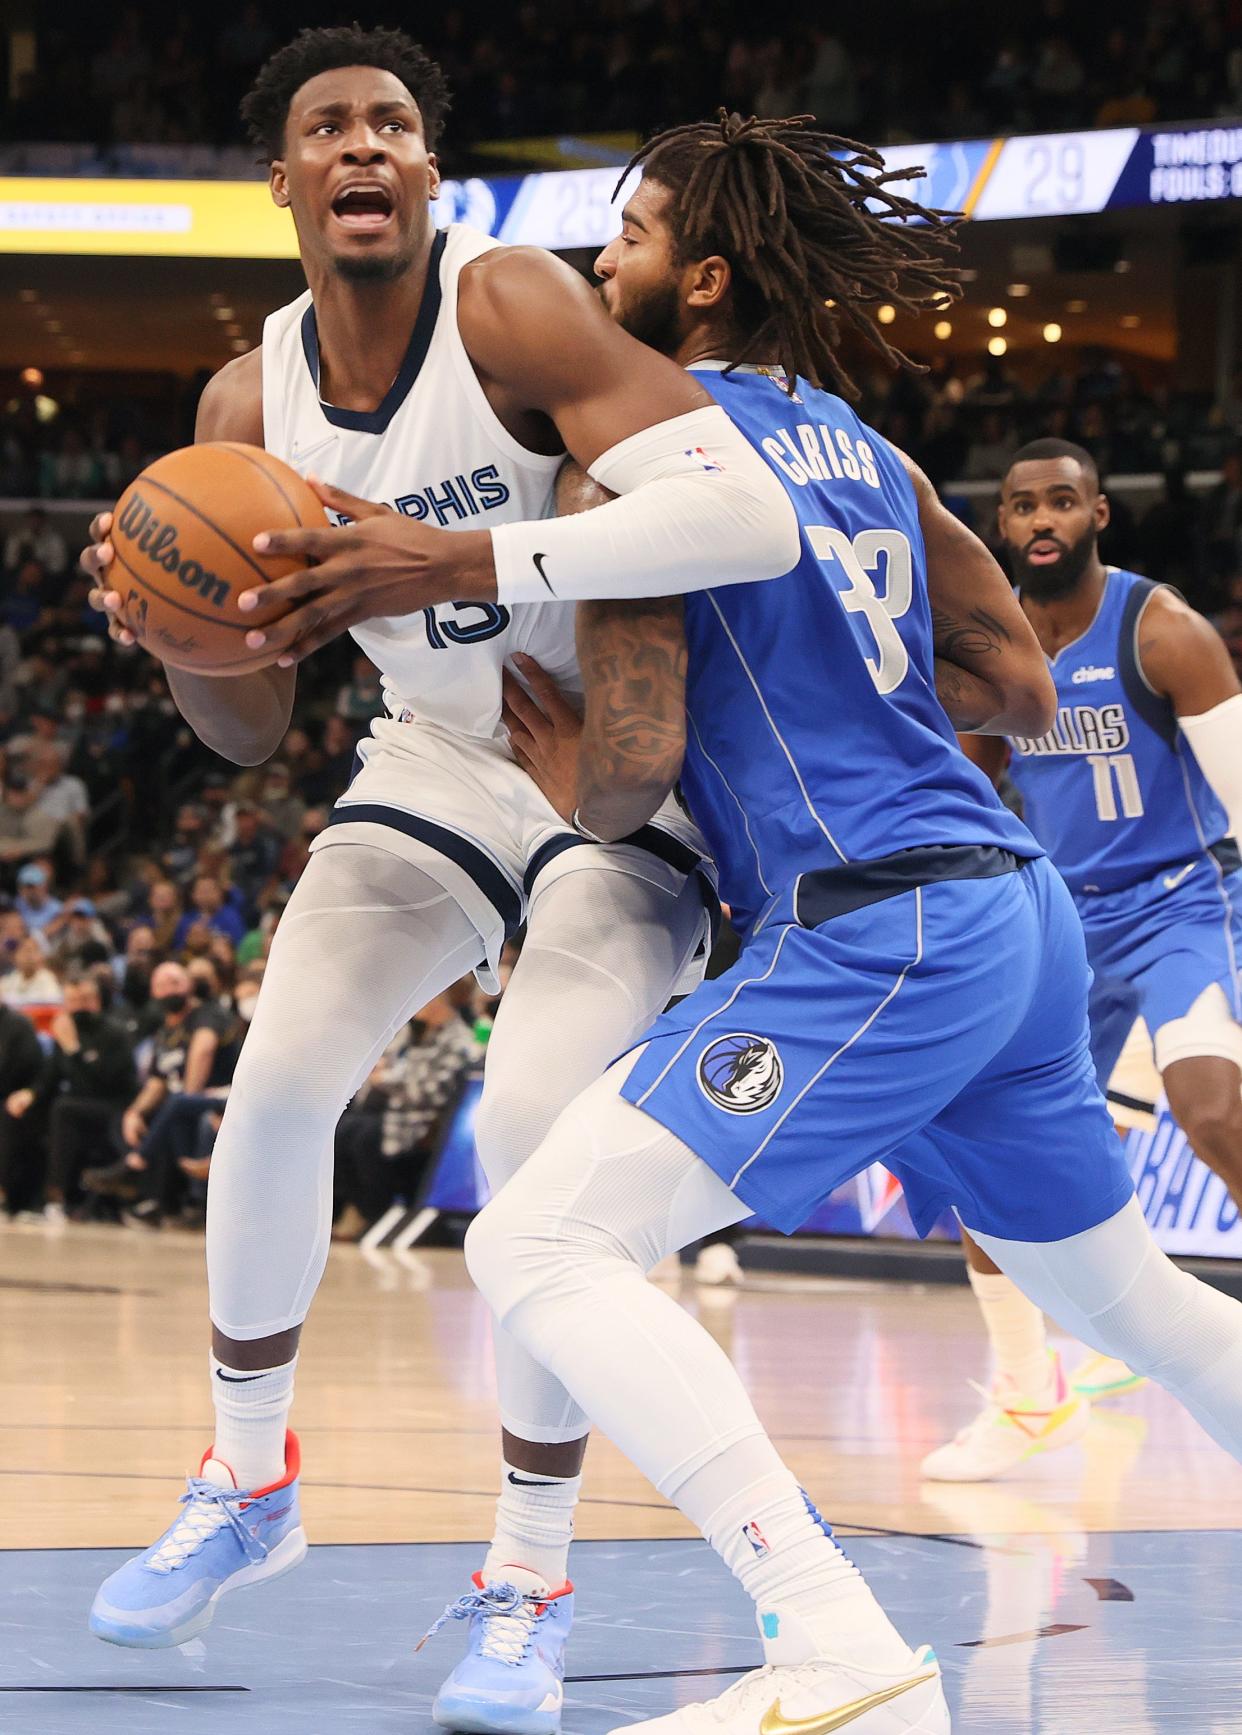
<point x="443" y="376"/>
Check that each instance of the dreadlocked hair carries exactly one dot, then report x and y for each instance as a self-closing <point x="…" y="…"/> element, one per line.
<point x="813" y="232"/>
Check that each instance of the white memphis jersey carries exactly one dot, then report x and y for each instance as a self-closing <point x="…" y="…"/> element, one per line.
<point x="436" y="451"/>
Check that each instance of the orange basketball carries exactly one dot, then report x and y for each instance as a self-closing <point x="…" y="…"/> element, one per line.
<point x="183" y="535"/>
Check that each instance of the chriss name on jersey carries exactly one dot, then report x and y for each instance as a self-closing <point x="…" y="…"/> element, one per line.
<point x="1081" y="729"/>
<point x="821" y="454"/>
<point x="456" y="498"/>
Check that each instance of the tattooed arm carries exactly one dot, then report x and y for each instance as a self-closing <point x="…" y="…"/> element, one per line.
<point x="991" y="675"/>
<point x="633" y="657"/>
<point x="614" y="765"/>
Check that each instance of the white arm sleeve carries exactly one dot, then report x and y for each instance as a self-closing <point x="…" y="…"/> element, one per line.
<point x="698" y="507"/>
<point x="1215" y="738"/>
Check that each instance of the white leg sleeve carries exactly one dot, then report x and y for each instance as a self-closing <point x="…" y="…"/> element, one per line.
<point x="365" y="941"/>
<point x="602" y="953"/>
<point x="560" y="1256"/>
<point x="1113" y="1288"/>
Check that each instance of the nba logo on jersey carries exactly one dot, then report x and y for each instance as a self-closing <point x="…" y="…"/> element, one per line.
<point x="701" y="457"/>
<point x="741" y="1074"/>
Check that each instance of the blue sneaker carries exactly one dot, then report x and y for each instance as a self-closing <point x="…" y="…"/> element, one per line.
<point x="509" y="1681"/>
<point x="225" y="1538"/>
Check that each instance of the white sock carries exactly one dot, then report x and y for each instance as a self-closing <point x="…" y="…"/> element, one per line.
<point x="810" y="1599"/>
<point x="1017" y="1331"/>
<point x="534" y="1526"/>
<point x="252" y="1415"/>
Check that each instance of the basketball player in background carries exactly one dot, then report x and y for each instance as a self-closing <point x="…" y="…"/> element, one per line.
<point x="417" y="372"/>
<point x="1136" y="794"/>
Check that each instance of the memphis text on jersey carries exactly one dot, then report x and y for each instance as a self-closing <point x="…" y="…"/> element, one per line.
<point x="1081" y="729"/>
<point x="458" y="497"/>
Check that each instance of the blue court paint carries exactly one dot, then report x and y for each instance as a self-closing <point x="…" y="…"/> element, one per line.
<point x="331" y="1646"/>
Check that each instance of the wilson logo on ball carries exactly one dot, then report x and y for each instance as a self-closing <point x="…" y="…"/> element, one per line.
<point x="158" y="541"/>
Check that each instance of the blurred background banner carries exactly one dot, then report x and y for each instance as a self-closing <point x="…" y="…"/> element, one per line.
<point x="1040" y="175"/>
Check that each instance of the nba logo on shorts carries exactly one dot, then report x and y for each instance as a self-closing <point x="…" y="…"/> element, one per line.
<point x="741" y="1074"/>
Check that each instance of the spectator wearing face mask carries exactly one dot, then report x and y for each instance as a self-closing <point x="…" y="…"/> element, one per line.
<point x="418" y="1084"/>
<point x="132" y="969"/>
<point x="168" y="1066"/>
<point x="180" y="859"/>
<point x="21" y="1068"/>
<point x="86" y="1083"/>
<point x="185" y="1122"/>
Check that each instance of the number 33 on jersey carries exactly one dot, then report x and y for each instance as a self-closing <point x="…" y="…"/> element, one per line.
<point x="813" y="717"/>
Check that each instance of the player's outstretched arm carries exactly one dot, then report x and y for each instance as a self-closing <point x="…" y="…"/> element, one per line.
<point x="991" y="675"/>
<point x="698" y="506"/>
<point x="242" y="717"/>
<point x="1182" y="656"/>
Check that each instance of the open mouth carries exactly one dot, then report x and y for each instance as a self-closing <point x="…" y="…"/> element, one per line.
<point x="1043" y="553"/>
<point x="362" y="207"/>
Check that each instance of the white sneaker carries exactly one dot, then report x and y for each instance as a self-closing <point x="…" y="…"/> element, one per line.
<point x="816" y="1698"/>
<point x="1102" y="1377"/>
<point x="1010" y="1429"/>
<point x="54" y="1215"/>
<point x="718" y="1263"/>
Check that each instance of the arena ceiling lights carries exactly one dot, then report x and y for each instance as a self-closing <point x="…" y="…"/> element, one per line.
<point x="1039" y="175"/>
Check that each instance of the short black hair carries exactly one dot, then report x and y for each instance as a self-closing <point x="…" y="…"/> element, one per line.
<point x="265" y="106"/>
<point x="1050" y="447"/>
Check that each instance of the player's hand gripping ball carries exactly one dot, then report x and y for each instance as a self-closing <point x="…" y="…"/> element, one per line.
<point x="182" y="535"/>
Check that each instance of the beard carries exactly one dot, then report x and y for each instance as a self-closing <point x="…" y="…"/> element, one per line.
<point x="1058" y="578"/>
<point x="654" y="318"/>
<point x="372" y="268"/>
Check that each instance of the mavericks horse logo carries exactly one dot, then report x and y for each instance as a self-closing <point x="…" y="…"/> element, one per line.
<point x="741" y="1074"/>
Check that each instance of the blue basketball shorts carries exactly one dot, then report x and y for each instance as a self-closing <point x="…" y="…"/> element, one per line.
<point x="941" y="1031"/>
<point x="1157" y="946"/>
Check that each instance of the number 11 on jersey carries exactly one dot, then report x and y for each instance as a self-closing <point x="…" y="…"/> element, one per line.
<point x="1115" y="776"/>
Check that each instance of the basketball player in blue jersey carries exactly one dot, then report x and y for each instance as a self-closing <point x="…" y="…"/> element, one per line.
<point x="913" y="982"/>
<point x="1136" y="794"/>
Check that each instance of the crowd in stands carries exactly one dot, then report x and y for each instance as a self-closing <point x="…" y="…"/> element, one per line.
<point x="913" y="69"/>
<point x="961" y="420"/>
<point x="141" y="884"/>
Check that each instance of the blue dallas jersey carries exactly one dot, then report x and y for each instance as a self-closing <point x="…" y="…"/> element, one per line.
<point x="815" y="735"/>
<point x="1113" y="792"/>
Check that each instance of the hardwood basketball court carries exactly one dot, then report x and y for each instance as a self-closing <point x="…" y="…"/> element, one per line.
<point x="1093" y="1590"/>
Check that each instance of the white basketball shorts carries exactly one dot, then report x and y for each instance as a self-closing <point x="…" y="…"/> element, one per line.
<point x="459" y="807"/>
